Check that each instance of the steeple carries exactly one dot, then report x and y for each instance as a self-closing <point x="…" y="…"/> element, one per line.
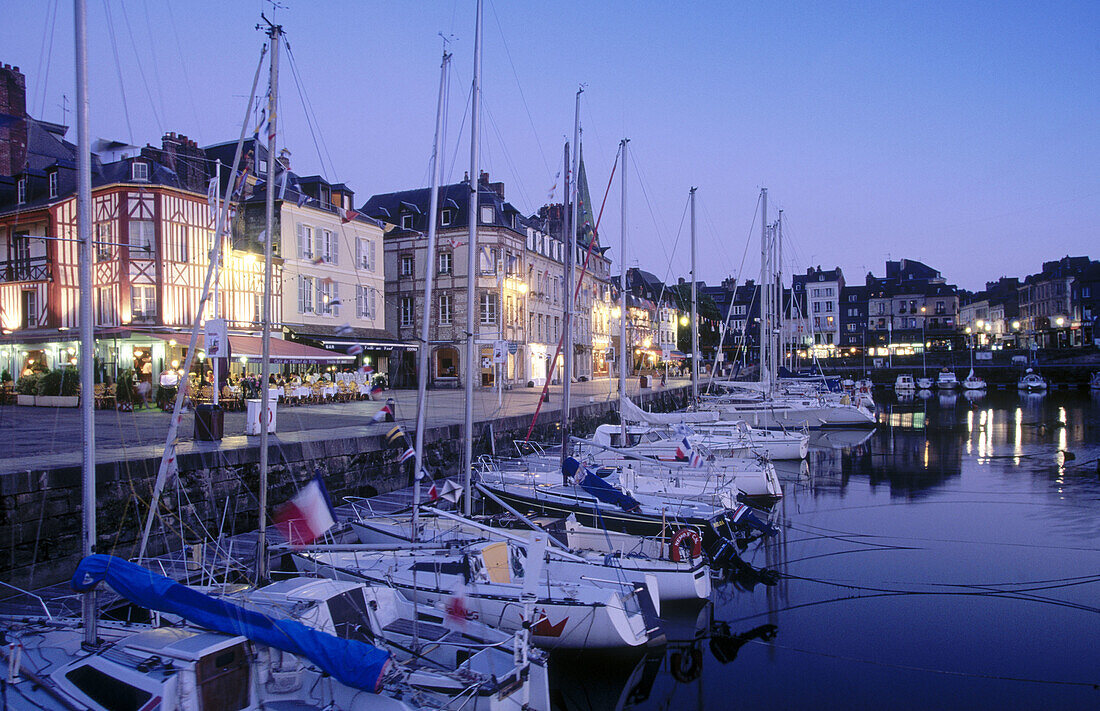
<point x="586" y="221"/>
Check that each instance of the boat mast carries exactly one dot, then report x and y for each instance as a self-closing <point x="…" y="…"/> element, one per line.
<point x="87" y="328"/>
<point x="572" y="192"/>
<point x="429" y="278"/>
<point x="274" y="32"/>
<point x="694" y="312"/>
<point x="763" y="286"/>
<point x="471" y="268"/>
<point x="566" y="335"/>
<point x="623" y="346"/>
<point x="779" y="284"/>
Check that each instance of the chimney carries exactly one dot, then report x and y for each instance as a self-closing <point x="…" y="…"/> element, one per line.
<point x="13" y="136"/>
<point x="484" y="180"/>
<point x="284" y="158"/>
<point x="498" y="188"/>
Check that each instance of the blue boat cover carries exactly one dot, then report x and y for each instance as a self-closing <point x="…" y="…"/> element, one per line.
<point x="599" y="488"/>
<point x="354" y="663"/>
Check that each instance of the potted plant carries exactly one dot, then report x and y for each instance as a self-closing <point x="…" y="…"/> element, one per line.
<point x="26" y="388"/>
<point x="59" y="388"/>
<point x="124" y="390"/>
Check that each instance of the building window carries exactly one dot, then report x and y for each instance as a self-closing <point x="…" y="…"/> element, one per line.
<point x="143" y="303"/>
<point x="105" y="306"/>
<point x="30" y="309"/>
<point x="881" y="308"/>
<point x="104" y="249"/>
<point x="326" y="197"/>
<point x="446" y="217"/>
<point x="486" y="214"/>
<point x="444" y="309"/>
<point x="364" y="256"/>
<point x="407" y="221"/>
<point x="53" y="184"/>
<point x="329" y="247"/>
<point x="305" y="294"/>
<point x="406" y="265"/>
<point x="852" y="298"/>
<point x="488" y="309"/>
<point x="828" y="306"/>
<point x="940" y="309"/>
<point x="446" y="260"/>
<point x="142" y="239"/>
<point x="406" y="311"/>
<point x="257" y="308"/>
<point x="305" y="241"/>
<point x="817" y="322"/>
<point x="21" y="191"/>
<point x="328" y="300"/>
<point x="817" y="307"/>
<point x="364" y="301"/>
<point x="140" y="171"/>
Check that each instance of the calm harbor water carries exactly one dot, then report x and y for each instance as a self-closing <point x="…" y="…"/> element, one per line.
<point x="951" y="559"/>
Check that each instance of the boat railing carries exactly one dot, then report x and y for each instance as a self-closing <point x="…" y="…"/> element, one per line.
<point x="36" y="598"/>
<point x="359" y="504"/>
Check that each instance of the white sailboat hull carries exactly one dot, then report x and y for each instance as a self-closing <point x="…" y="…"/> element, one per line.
<point x="811" y="417"/>
<point x="561" y="623"/>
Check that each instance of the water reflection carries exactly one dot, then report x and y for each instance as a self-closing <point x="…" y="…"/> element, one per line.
<point x="952" y="491"/>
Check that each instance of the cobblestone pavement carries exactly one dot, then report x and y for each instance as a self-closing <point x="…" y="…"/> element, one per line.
<point x="28" y="434"/>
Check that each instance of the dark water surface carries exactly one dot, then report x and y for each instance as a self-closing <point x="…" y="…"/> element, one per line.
<point x="951" y="560"/>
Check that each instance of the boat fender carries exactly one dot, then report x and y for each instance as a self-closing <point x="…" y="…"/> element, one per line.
<point x="676" y="547"/>
<point x="686" y="666"/>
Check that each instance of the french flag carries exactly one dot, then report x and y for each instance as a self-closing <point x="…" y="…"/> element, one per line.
<point x="347" y="215"/>
<point x="308" y="515"/>
<point x="683" y="451"/>
<point x="381" y="414"/>
<point x="696" y="460"/>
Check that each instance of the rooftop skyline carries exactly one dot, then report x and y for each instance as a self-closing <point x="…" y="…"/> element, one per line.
<point x="961" y="136"/>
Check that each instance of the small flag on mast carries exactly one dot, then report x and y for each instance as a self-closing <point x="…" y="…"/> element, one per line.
<point x="308" y="515"/>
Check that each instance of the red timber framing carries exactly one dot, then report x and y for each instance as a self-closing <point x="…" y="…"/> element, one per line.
<point x="169" y="277"/>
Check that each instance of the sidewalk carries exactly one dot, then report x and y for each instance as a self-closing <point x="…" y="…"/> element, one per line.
<point x="29" y="434"/>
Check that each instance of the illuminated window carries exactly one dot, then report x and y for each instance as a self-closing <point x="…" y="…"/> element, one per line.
<point x="142" y="239"/>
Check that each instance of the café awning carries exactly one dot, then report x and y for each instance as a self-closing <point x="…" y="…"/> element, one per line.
<point x="282" y="350"/>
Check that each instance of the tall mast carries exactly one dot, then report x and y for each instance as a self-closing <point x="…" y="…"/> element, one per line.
<point x="87" y="328"/>
<point x="274" y="32"/>
<point x="779" y="281"/>
<point x="567" y="335"/>
<point x="426" y="314"/>
<point x="572" y="193"/>
<point x="472" y="267"/>
<point x="773" y="326"/>
<point x="763" y="284"/>
<point x="623" y="345"/>
<point x="694" y="311"/>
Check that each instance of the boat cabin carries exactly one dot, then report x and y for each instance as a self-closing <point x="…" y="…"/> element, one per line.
<point x="205" y="671"/>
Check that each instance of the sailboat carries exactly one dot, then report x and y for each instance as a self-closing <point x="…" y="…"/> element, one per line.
<point x="972" y="381"/>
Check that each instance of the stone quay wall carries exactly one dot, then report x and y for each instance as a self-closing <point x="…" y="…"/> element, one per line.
<point x="216" y="490"/>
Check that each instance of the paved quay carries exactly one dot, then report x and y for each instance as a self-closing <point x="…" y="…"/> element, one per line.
<point x="46" y="438"/>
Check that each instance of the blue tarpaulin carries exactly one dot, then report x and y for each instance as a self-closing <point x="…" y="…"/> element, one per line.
<point x="354" y="663"/>
<point x="600" y="488"/>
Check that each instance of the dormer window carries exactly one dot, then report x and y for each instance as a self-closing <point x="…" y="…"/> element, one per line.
<point x="487" y="215"/>
<point x="326" y="198"/>
<point x="53" y="184"/>
<point x="407" y="221"/>
<point x="140" y="171"/>
<point x="21" y="191"/>
<point x="446" y="217"/>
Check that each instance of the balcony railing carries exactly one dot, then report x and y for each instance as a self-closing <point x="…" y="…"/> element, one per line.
<point x="29" y="269"/>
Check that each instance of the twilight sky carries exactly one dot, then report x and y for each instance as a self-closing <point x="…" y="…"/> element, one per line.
<point x="961" y="134"/>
